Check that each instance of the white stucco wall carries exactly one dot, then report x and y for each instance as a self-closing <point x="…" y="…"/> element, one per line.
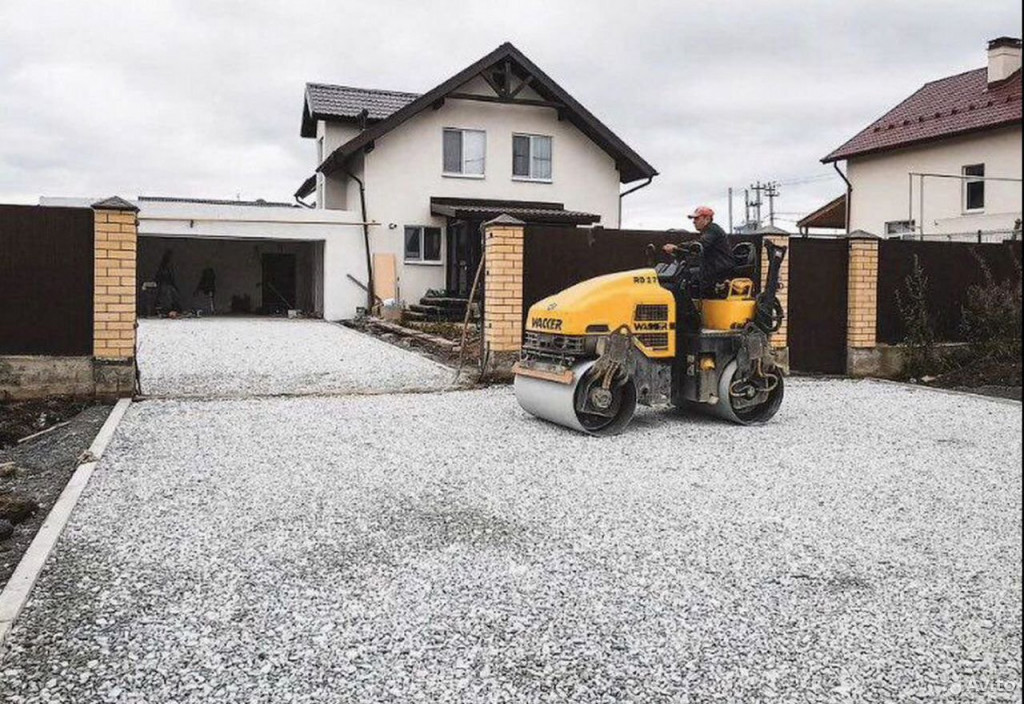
<point x="881" y="191"/>
<point x="404" y="171"/>
<point x="333" y="193"/>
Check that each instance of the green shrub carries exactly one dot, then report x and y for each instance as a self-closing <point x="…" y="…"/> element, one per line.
<point x="920" y="353"/>
<point x="992" y="317"/>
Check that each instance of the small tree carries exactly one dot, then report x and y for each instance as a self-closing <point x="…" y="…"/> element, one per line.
<point x="919" y="339"/>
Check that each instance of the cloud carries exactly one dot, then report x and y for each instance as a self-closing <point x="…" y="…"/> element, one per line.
<point x="201" y="98"/>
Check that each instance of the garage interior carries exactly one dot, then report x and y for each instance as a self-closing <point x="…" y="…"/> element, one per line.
<point x="215" y="276"/>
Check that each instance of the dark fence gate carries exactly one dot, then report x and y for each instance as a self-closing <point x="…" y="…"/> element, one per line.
<point x="555" y="258"/>
<point x="951" y="269"/>
<point x="46" y="280"/>
<point x="818" y="297"/>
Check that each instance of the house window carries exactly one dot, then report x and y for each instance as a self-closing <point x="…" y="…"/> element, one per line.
<point x="423" y="244"/>
<point x="531" y="157"/>
<point x="900" y="227"/>
<point x="464" y="152"/>
<point x="974" y="187"/>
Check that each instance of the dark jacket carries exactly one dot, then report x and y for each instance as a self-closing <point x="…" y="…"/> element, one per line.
<point x="718" y="261"/>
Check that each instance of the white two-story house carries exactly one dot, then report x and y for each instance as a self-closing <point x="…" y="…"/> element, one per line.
<point x="944" y="163"/>
<point x="425" y="170"/>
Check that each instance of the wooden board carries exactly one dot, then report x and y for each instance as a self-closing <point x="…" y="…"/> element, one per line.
<point x="385" y="277"/>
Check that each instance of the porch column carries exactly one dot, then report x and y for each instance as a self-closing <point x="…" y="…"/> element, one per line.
<point x="503" y="285"/>
<point x="116" y="237"/>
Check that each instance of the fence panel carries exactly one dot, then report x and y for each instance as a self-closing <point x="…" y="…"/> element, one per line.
<point x="555" y="258"/>
<point x="951" y="268"/>
<point x="46" y="280"/>
<point x="818" y="301"/>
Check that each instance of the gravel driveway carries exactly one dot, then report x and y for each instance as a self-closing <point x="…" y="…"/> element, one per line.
<point x="225" y="357"/>
<point x="866" y="546"/>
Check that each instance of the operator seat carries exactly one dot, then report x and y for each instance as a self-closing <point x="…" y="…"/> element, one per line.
<point x="744" y="257"/>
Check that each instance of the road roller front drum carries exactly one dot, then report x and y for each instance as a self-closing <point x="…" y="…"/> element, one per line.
<point x="610" y="410"/>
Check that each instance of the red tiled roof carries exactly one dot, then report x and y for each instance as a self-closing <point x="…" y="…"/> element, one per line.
<point x="943" y="108"/>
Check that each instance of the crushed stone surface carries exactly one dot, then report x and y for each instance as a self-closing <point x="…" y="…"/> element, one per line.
<point x="863" y="547"/>
<point x="238" y="357"/>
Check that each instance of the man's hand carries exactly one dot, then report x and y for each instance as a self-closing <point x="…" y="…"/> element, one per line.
<point x="670" y="249"/>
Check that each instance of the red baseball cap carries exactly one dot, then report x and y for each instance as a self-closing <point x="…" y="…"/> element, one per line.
<point x="702" y="211"/>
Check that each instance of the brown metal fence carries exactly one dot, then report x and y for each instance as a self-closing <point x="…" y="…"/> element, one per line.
<point x="951" y="268"/>
<point x="555" y="258"/>
<point x="46" y="280"/>
<point x="818" y="301"/>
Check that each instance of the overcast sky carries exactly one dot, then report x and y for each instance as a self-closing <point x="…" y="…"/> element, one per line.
<point x="203" y="98"/>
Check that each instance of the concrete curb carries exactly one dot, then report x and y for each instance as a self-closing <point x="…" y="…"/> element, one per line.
<point x="15" y="595"/>
<point x="948" y="392"/>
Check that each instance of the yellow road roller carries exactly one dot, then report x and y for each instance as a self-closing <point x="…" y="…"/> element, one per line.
<point x="656" y="336"/>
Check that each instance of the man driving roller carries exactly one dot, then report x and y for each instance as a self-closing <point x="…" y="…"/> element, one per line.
<point x="717" y="245"/>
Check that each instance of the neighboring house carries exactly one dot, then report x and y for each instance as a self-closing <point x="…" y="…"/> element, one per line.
<point x="424" y="171"/>
<point x="944" y="162"/>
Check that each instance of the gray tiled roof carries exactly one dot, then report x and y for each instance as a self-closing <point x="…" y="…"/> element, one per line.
<point x="342" y="101"/>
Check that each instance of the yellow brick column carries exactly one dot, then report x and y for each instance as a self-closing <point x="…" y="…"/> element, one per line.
<point x="780" y="340"/>
<point x="115" y="247"/>
<point x="862" y="305"/>
<point x="503" y="285"/>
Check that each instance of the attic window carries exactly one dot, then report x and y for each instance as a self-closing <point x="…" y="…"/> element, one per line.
<point x="531" y="157"/>
<point x="465" y="152"/>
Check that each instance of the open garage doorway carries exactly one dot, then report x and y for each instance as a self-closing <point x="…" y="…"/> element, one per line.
<point x="222" y="276"/>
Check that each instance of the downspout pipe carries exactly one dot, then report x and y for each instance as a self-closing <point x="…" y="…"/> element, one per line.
<point x="849" y="194"/>
<point x="366" y="238"/>
<point x="634" y="189"/>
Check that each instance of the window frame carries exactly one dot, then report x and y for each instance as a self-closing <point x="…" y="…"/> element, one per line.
<point x="462" y="156"/>
<point x="969" y="180"/>
<point x="532" y="136"/>
<point x="422" y="245"/>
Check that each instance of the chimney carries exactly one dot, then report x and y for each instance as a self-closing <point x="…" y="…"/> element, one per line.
<point x="1003" y="58"/>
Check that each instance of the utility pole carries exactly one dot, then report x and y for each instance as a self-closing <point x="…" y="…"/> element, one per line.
<point x="746" y="207"/>
<point x="754" y="206"/>
<point x="730" y="210"/>
<point x="762" y="190"/>
<point x="772" y="192"/>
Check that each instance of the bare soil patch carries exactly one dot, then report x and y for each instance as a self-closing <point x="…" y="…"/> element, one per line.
<point x="34" y="473"/>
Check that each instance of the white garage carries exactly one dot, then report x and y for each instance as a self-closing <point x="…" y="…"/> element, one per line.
<point x="248" y="257"/>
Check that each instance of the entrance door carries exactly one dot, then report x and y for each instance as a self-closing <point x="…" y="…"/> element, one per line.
<point x="464" y="252"/>
<point x="278" y="285"/>
<point x="818" y="304"/>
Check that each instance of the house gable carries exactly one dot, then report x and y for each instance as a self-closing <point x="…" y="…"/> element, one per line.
<point x="513" y="80"/>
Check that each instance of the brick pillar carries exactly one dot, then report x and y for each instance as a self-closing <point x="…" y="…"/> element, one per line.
<point x="862" y="305"/>
<point x="780" y="340"/>
<point x="116" y="223"/>
<point x="503" y="285"/>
